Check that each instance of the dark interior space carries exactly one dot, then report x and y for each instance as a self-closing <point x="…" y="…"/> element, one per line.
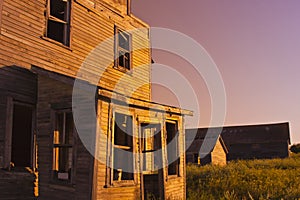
<point x="151" y="186"/>
<point x="21" y="136"/>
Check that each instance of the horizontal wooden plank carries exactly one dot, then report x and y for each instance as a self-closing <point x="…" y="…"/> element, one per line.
<point x="23" y="26"/>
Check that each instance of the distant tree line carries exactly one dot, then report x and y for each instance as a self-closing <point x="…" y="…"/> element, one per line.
<point x="295" y="148"/>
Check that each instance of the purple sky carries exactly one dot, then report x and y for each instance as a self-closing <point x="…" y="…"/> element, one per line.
<point x="254" y="43"/>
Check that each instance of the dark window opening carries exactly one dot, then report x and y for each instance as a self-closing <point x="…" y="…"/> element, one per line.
<point x="58" y="9"/>
<point x="172" y="148"/>
<point x="21" y="152"/>
<point x="63" y="141"/>
<point x="123" y="48"/>
<point x="55" y="31"/>
<point x="206" y="160"/>
<point x="123" y="148"/>
<point x="58" y="21"/>
<point x="195" y="158"/>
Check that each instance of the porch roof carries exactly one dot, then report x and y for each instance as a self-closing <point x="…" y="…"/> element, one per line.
<point x="112" y="95"/>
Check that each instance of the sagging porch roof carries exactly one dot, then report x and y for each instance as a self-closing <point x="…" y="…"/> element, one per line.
<point x="114" y="96"/>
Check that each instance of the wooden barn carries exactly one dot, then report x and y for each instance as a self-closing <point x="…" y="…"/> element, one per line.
<point x="127" y="147"/>
<point x="195" y="141"/>
<point x="262" y="141"/>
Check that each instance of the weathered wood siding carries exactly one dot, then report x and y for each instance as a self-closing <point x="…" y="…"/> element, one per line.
<point x="196" y="138"/>
<point x="218" y="155"/>
<point x="174" y="186"/>
<point x="16" y="85"/>
<point x="16" y="185"/>
<point x="22" y="41"/>
<point x="103" y="189"/>
<point x="92" y="22"/>
<point x="49" y="95"/>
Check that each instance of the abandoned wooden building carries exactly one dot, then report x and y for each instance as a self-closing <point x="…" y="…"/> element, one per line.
<point x="195" y="139"/>
<point x="44" y="43"/>
<point x="261" y="141"/>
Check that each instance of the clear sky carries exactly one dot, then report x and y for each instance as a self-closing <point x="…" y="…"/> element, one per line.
<point x="254" y="43"/>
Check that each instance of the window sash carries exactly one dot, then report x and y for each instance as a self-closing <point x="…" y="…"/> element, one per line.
<point x="63" y="36"/>
<point x="173" y="167"/>
<point x="150" y="144"/>
<point x="117" y="172"/>
<point x="63" y="147"/>
<point x="52" y="18"/>
<point x="122" y="50"/>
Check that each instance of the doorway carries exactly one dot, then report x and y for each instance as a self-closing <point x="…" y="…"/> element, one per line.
<point x="152" y="171"/>
<point x="21" y="142"/>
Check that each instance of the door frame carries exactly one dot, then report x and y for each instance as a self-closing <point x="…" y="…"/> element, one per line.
<point x="162" y="171"/>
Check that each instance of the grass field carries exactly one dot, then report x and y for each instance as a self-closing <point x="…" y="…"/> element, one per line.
<point x="255" y="179"/>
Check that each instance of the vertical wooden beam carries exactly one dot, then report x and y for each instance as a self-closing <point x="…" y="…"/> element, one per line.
<point x="140" y="160"/>
<point x="8" y="132"/>
<point x="47" y="14"/>
<point x="1" y="6"/>
<point x="94" y="162"/>
<point x="129" y="7"/>
<point x="184" y="154"/>
<point x="34" y="161"/>
<point x="71" y="10"/>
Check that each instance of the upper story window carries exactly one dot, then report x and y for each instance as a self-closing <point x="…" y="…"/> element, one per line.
<point x="58" y="21"/>
<point x="122" y="50"/>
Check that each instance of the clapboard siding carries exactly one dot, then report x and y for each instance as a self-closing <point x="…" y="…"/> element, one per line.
<point x="54" y="66"/>
<point x="195" y="139"/>
<point x="48" y="95"/>
<point x="218" y="155"/>
<point x="22" y="30"/>
<point x="174" y="187"/>
<point x="16" y="185"/>
<point x="16" y="85"/>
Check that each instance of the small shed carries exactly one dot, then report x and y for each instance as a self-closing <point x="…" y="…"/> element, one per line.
<point x="205" y="146"/>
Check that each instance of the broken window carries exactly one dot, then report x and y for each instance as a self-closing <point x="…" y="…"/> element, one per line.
<point x="63" y="141"/>
<point x="122" y="148"/>
<point x="122" y="50"/>
<point x="151" y="144"/>
<point x="58" y="21"/>
<point x="172" y="148"/>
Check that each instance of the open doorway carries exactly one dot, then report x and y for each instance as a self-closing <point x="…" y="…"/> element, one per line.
<point x="152" y="173"/>
<point x="21" y="142"/>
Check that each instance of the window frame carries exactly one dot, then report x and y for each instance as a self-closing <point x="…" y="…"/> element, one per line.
<point x="67" y="24"/>
<point x="118" y="48"/>
<point x="9" y="103"/>
<point x="110" y="154"/>
<point x="54" y="179"/>
<point x="156" y="145"/>
<point x="178" y="164"/>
